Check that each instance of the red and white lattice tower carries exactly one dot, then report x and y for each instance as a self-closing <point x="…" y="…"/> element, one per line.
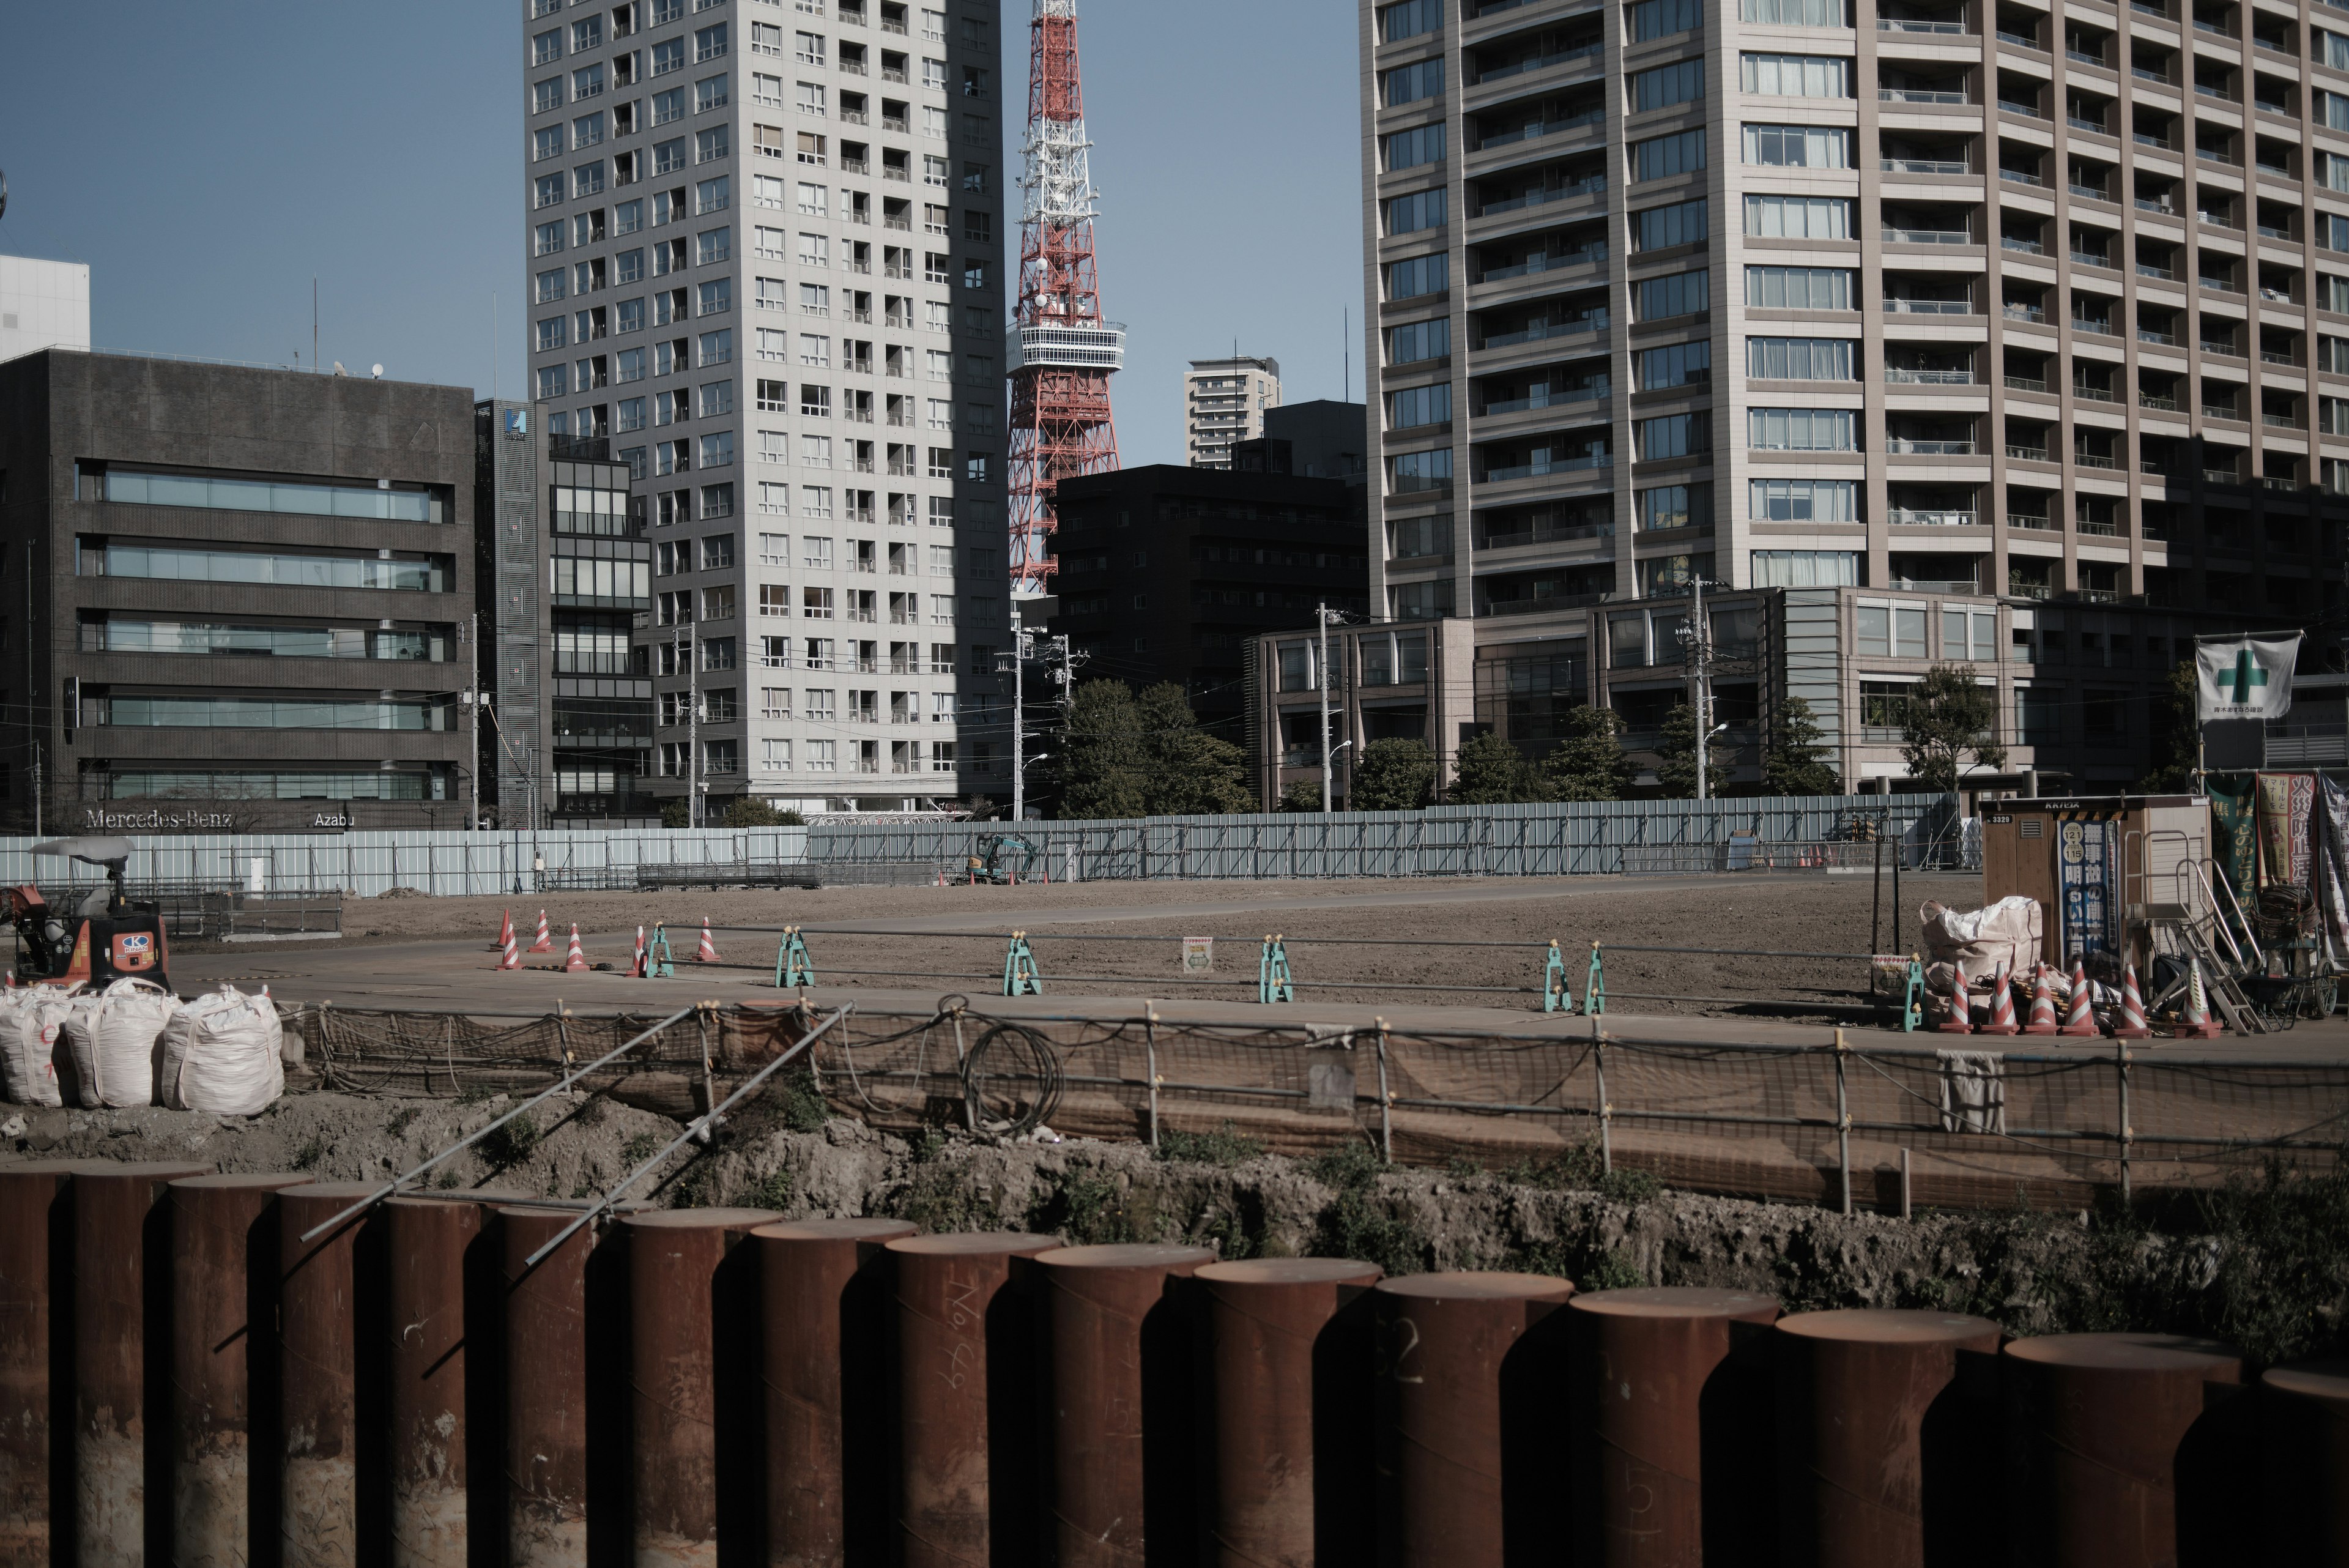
<point x="1062" y="353"/>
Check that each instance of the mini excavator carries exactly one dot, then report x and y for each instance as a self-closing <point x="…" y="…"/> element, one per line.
<point x="104" y="940"/>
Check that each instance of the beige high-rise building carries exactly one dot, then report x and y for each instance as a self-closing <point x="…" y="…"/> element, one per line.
<point x="1223" y="402"/>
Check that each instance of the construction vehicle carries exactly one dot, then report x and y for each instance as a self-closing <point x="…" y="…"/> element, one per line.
<point x="1000" y="858"/>
<point x="107" y="936"/>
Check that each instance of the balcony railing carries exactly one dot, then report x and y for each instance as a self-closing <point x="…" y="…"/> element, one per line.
<point x="1574" y="327"/>
<point x="2025" y="384"/>
<point x="2030" y="520"/>
<point x="2029" y="247"/>
<point x="2224" y="350"/>
<point x="2093" y="394"/>
<point x="1546" y="399"/>
<point x="2146" y="269"/>
<point x="2082" y="122"/>
<point x="1582" y="187"/>
<point x="2275" y="357"/>
<point x="1911" y="517"/>
<point x="1926" y="166"/>
<point x="1897" y="25"/>
<point x="2087" y="58"/>
<point x="2164" y="77"/>
<point x="1929" y="377"/>
<point x="2089" y="258"/>
<point x="2089" y="192"/>
<point x="2094" y="529"/>
<point x="2148" y="335"/>
<point x="1540" y="129"/>
<point x="1588" y="255"/>
<point x="2009" y="105"/>
<point x="1919" y="95"/>
<point x="2219" y="476"/>
<point x="1899" y="305"/>
<point x="1893" y="237"/>
<point x="2148" y="204"/>
<point x="2090" y="459"/>
<point x="2026" y="453"/>
<point x="2103" y="328"/>
<point x="1548" y="465"/>
<point x="2157" y="403"/>
<point x="1929" y="448"/>
<point x="1539" y="62"/>
<point x="2013" y="312"/>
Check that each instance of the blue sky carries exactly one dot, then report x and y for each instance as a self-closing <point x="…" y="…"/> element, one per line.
<point x="225" y="154"/>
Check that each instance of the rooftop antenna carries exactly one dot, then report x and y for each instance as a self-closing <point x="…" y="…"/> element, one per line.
<point x="314" y="321"/>
<point x="1345" y="353"/>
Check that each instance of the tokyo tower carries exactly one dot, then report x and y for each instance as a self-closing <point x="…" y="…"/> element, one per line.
<point x="1062" y="353"/>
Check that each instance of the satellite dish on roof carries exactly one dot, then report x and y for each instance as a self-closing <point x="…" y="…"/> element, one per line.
<point x="378" y="372"/>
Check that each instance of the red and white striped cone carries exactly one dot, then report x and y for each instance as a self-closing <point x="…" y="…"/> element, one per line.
<point x="505" y="932"/>
<point x="574" y="961"/>
<point x="545" y="943"/>
<point x="2194" y="1020"/>
<point x="707" y="951"/>
<point x="637" y="964"/>
<point x="511" y="958"/>
<point x="2080" y="1017"/>
<point x="2043" y="1004"/>
<point x="2132" y="1020"/>
<point x="1958" y="1010"/>
<point x="2001" y="1006"/>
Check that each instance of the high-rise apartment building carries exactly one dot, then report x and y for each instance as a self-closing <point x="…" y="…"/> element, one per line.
<point x="1223" y="402"/>
<point x="2039" y="315"/>
<point x="766" y="262"/>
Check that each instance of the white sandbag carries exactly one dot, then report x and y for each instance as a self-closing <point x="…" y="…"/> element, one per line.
<point x="1977" y="942"/>
<point x="40" y="1068"/>
<point x="220" y="1055"/>
<point x="113" y="1034"/>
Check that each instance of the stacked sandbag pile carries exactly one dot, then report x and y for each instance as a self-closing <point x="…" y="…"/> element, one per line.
<point x="113" y="1036"/>
<point x="221" y="1055"/>
<point x="39" y="1069"/>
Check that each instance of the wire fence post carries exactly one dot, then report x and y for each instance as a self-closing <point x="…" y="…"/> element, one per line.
<point x="1149" y="1064"/>
<point x="1606" y="1109"/>
<point x="1386" y="1099"/>
<point x="2128" y="1133"/>
<point x="1842" y="1120"/>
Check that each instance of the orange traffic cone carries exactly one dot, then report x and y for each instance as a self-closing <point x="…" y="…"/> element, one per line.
<point x="545" y="943"/>
<point x="2132" y="1020"/>
<point x="2080" y="1017"/>
<point x="511" y="958"/>
<point x="1957" y="1017"/>
<point x="2194" y="1020"/>
<point x="506" y="930"/>
<point x="637" y="964"/>
<point x="2001" y="1006"/>
<point x="574" y="959"/>
<point x="707" y="951"/>
<point x="2043" y="1004"/>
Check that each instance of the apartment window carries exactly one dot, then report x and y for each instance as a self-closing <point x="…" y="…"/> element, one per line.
<point x="713" y="195"/>
<point x="1797" y="13"/>
<point x="941" y="462"/>
<point x="1797" y="146"/>
<point x="547" y="47"/>
<point x="668" y="156"/>
<point x="1413" y="148"/>
<point x="1981" y="647"/>
<point x="1415" y="406"/>
<point x="2328" y="48"/>
<point x="546" y="96"/>
<point x="548" y="142"/>
<point x="1675" y="365"/>
<point x="1798" y="217"/>
<point x="815" y="402"/>
<point x="1681" y="223"/>
<point x="1799" y="288"/>
<point x="814" y="201"/>
<point x="1795" y="76"/>
<point x="1805" y="568"/>
<point x="716" y="296"/>
<point x="1672" y="506"/>
<point x="1423" y="276"/>
<point x="1661" y="156"/>
<point x="1410" y="19"/>
<point x="1801" y="430"/>
<point x="547" y="239"/>
<point x="713" y="245"/>
<point x="630" y="317"/>
<point x="1802" y="358"/>
<point x="669" y="56"/>
<point x="767" y="91"/>
<point x="1674" y="294"/>
<point x="1670" y="436"/>
<point x="1804" y="501"/>
<point x="1411" y="84"/>
<point x="1683" y="81"/>
<point x="1418" y="471"/>
<point x="2333" y="294"/>
<point x="1416" y="341"/>
<point x="548" y="190"/>
<point x="553" y="331"/>
<point x="710" y="43"/>
<point x="587" y="179"/>
<point x="815" y="350"/>
<point x="1411" y="214"/>
<point x="1662" y="18"/>
<point x="549" y="285"/>
<point x="710" y="145"/>
<point x="708" y="93"/>
<point x="717" y="347"/>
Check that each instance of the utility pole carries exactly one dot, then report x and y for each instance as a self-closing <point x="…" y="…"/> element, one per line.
<point x="473" y="719"/>
<point x="1019" y="717"/>
<point x="692" y="733"/>
<point x="1321" y="679"/>
<point x="1697" y="638"/>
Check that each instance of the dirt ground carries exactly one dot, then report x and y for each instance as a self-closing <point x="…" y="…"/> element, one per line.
<point x="1378" y="943"/>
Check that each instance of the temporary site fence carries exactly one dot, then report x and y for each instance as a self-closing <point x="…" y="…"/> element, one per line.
<point x="1587" y="837"/>
<point x="1845" y="1119"/>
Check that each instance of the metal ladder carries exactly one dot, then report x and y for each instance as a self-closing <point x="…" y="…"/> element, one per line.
<point x="2218" y="978"/>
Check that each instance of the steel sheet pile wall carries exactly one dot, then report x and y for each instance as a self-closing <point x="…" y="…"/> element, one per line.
<point x="1090" y="1404"/>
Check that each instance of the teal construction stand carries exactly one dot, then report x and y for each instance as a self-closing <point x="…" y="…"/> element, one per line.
<point x="792" y="965"/>
<point x="1594" y="989"/>
<point x="660" y="963"/>
<point x="1912" y="1005"/>
<point x="1556" y="996"/>
<point x="1019" y="975"/>
<point x="1273" y="981"/>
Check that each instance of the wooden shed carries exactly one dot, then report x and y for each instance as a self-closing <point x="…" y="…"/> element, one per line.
<point x="2099" y="867"/>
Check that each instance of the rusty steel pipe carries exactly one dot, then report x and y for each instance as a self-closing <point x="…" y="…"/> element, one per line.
<point x="1650" y="1400"/>
<point x="2306" y="1461"/>
<point x="823" y="1301"/>
<point x="34" y="1232"/>
<point x="1119" y="1442"/>
<point x="1287" y="1346"/>
<point x="425" y="1454"/>
<point x="545" y="1320"/>
<point x="689" y="1446"/>
<point x="965" y="1405"/>
<point x="317" y="1381"/>
<point x="1462" y="1356"/>
<point x="121" y="1293"/>
<point x="224" y="1369"/>
<point x="1856" y="1390"/>
<point x="2102" y="1444"/>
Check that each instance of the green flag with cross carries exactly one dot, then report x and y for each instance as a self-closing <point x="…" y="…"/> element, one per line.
<point x="2245" y="678"/>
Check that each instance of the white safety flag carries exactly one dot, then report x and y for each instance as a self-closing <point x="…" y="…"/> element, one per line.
<point x="2247" y="679"/>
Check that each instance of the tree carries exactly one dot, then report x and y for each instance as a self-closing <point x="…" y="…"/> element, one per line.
<point x="1394" y="774"/>
<point x="2177" y="722"/>
<point x="678" y="813"/>
<point x="1587" y="762"/>
<point x="750" y="811"/>
<point x="1305" y="795"/>
<point x="1676" y="757"/>
<point x="1489" y="770"/>
<point x="1188" y="772"/>
<point x="1796" y="762"/>
<point x="1949" y="715"/>
<point x="1102" y="765"/>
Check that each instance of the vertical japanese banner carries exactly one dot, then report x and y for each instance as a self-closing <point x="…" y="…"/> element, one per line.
<point x="2234" y="843"/>
<point x="2333" y="859"/>
<point x="2286" y="804"/>
<point x="2085" y="864"/>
